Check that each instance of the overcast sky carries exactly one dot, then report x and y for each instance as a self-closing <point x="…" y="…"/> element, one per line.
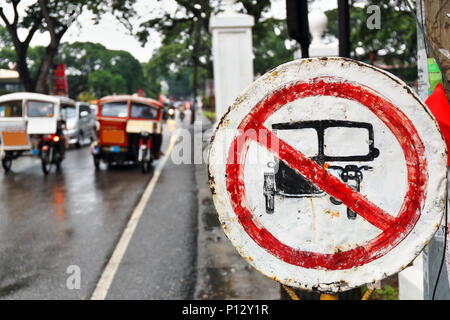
<point x="114" y="36"/>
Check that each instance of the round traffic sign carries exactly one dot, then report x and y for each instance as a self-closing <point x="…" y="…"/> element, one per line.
<point x="328" y="174"/>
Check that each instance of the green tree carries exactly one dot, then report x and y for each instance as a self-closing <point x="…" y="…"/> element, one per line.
<point x="83" y="58"/>
<point x="5" y="39"/>
<point x="188" y="29"/>
<point x="394" y="42"/>
<point x="87" y="97"/>
<point x="152" y="79"/>
<point x="102" y="83"/>
<point x="7" y="54"/>
<point x="125" y="65"/>
<point x="170" y="63"/>
<point x="269" y="40"/>
<point x="269" y="36"/>
<point x="186" y="41"/>
<point x="55" y="18"/>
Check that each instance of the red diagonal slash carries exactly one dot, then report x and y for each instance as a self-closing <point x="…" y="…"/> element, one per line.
<point x="394" y="230"/>
<point x="324" y="180"/>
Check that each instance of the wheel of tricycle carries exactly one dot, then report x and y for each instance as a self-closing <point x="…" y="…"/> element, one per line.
<point x="7" y="163"/>
<point x="46" y="161"/>
<point x="58" y="165"/>
<point x="46" y="166"/>
<point x="145" y="166"/>
<point x="270" y="202"/>
<point x="78" y="143"/>
<point x="97" y="162"/>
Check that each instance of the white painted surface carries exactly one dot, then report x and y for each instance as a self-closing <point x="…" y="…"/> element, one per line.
<point x="410" y="281"/>
<point x="318" y="22"/>
<point x="303" y="223"/>
<point x="41" y="125"/>
<point x="232" y="56"/>
<point x="36" y="125"/>
<point x="422" y="64"/>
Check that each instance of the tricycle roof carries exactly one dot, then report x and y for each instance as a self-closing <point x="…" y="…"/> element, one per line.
<point x="36" y="96"/>
<point x="65" y="100"/>
<point x="131" y="98"/>
<point x="29" y="96"/>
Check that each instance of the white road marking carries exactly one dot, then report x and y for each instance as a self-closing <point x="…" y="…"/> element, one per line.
<point x="110" y="270"/>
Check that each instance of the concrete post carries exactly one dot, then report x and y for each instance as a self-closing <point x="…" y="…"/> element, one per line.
<point x="232" y="56"/>
<point x="317" y="24"/>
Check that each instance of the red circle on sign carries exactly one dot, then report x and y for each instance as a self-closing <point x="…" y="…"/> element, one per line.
<point x="394" y="229"/>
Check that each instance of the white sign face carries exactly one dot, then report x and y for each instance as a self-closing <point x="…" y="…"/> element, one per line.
<point x="328" y="174"/>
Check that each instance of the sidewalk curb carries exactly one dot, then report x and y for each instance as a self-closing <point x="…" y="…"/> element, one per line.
<point x="222" y="274"/>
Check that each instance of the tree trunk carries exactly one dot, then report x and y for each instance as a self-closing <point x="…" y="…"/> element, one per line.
<point x="22" y="68"/>
<point x="79" y="88"/>
<point x="195" y="64"/>
<point x="194" y="90"/>
<point x="438" y="30"/>
<point x="44" y="70"/>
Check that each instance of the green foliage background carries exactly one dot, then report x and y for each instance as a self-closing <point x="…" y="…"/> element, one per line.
<point x="395" y="43"/>
<point x="184" y="61"/>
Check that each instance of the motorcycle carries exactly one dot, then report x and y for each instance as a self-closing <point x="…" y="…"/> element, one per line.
<point x="52" y="152"/>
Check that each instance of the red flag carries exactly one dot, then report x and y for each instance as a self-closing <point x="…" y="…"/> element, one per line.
<point x="438" y="104"/>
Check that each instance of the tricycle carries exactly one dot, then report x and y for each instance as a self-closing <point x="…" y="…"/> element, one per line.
<point x="130" y="131"/>
<point x="33" y="124"/>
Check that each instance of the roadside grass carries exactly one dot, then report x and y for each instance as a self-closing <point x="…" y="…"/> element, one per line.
<point x="386" y="292"/>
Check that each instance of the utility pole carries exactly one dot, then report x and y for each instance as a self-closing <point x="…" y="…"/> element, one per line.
<point x="298" y="25"/>
<point x="436" y="24"/>
<point x="344" y="28"/>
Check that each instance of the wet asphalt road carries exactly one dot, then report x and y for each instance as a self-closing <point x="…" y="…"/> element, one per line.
<point x="75" y="218"/>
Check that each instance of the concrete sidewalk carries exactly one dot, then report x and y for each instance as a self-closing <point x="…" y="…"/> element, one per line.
<point x="221" y="272"/>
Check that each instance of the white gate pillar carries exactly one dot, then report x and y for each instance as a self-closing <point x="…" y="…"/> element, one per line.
<point x="232" y="56"/>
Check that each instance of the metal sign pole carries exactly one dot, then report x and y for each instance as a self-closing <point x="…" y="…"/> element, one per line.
<point x="433" y="253"/>
<point x="344" y="28"/>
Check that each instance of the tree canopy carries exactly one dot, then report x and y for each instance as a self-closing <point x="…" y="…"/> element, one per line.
<point x="395" y="42"/>
<point x="183" y="61"/>
<point x="55" y="18"/>
<point x="184" y="57"/>
<point x="87" y="61"/>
